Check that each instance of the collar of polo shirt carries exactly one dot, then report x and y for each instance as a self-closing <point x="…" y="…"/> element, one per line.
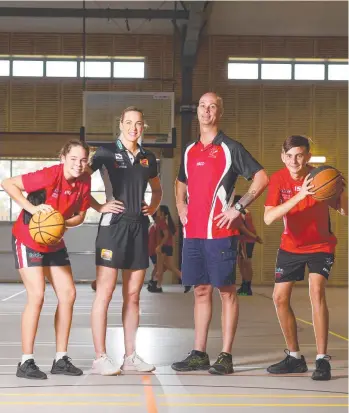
<point x="217" y="140"/>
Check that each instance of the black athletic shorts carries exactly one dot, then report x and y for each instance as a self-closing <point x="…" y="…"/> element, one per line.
<point x="123" y="245"/>
<point x="291" y="267"/>
<point x="246" y="249"/>
<point x="167" y="250"/>
<point x="25" y="257"/>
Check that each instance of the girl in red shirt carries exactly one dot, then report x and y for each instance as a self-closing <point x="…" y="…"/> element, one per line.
<point x="248" y="238"/>
<point x="64" y="188"/>
<point x="166" y="230"/>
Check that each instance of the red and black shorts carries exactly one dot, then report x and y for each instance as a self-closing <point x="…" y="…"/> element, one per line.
<point x="26" y="257"/>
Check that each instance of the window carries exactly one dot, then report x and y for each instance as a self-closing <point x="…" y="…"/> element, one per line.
<point x="288" y="69"/>
<point x="129" y="69"/>
<point x="95" y="69"/>
<point x="4" y="68"/>
<point x="32" y="68"/>
<point x="56" y="68"/>
<point x="277" y="71"/>
<point x="242" y="70"/>
<point x="338" y="72"/>
<point x="303" y="71"/>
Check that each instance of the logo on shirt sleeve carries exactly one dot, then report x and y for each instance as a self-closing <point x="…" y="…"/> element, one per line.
<point x="106" y="255"/>
<point x="144" y="162"/>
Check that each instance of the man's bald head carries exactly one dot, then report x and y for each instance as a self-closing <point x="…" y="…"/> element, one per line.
<point x="210" y="109"/>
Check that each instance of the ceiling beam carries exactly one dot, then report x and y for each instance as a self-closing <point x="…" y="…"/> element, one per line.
<point x="198" y="17"/>
<point x="94" y="13"/>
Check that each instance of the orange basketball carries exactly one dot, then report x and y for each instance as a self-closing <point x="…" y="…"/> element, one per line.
<point x="47" y="228"/>
<point x="327" y="183"/>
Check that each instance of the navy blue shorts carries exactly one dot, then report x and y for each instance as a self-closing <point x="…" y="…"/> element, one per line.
<point x="153" y="259"/>
<point x="209" y="261"/>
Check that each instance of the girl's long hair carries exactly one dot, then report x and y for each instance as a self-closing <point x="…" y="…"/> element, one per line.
<point x="171" y="226"/>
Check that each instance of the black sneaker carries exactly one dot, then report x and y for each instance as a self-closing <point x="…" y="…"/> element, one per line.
<point x="243" y="289"/>
<point x="66" y="367"/>
<point x="323" y="369"/>
<point x="223" y="365"/>
<point x="187" y="288"/>
<point x="150" y="284"/>
<point x="289" y="365"/>
<point x="196" y="360"/>
<point x="29" y="370"/>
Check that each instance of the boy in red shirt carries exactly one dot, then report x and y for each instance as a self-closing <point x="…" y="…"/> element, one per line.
<point x="64" y="188"/>
<point x="307" y="240"/>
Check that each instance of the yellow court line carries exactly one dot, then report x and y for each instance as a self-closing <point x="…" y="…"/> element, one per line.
<point x="262" y="396"/>
<point x="329" y="331"/>
<point x="250" y="405"/>
<point x="69" y="404"/>
<point x="70" y="395"/>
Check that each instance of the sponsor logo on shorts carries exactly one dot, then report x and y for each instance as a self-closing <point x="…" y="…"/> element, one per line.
<point x="326" y="270"/>
<point x="279" y="272"/>
<point x="329" y="261"/>
<point x="144" y="162"/>
<point x="118" y="156"/>
<point x="35" y="256"/>
<point x="106" y="255"/>
<point x="200" y="164"/>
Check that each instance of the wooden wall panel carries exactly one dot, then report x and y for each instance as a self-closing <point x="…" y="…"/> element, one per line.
<point x="71" y="44"/>
<point x="4" y="43"/>
<point x="4" y="105"/>
<point x="299" y="110"/>
<point x="47" y="44"/>
<point x="47" y="100"/>
<point x="259" y="115"/>
<point x="71" y="106"/>
<point x="22" y="111"/>
<point x="153" y="45"/>
<point x="99" y="44"/>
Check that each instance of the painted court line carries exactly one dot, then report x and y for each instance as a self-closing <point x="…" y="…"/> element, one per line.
<point x="258" y="396"/>
<point x="91" y="403"/>
<point x="14" y="295"/>
<point x="329" y="331"/>
<point x="71" y="394"/>
<point x="149" y="395"/>
<point x="250" y="405"/>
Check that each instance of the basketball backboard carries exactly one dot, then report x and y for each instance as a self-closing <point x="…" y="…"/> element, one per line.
<point x="102" y="110"/>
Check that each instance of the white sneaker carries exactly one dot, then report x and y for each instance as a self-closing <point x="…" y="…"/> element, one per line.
<point x="134" y="362"/>
<point x="105" y="366"/>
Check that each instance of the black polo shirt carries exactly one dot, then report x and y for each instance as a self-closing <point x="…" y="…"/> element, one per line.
<point x="125" y="177"/>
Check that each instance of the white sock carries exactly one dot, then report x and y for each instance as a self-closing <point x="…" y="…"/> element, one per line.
<point x="60" y="355"/>
<point x="296" y="354"/>
<point x="320" y="356"/>
<point x="26" y="357"/>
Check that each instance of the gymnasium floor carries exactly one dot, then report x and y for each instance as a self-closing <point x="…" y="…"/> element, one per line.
<point x="167" y="335"/>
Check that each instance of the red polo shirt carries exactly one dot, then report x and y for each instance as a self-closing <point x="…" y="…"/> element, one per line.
<point x="307" y="225"/>
<point x="67" y="198"/>
<point x="210" y="173"/>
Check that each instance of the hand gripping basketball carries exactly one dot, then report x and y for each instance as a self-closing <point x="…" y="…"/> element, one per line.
<point x="47" y="228"/>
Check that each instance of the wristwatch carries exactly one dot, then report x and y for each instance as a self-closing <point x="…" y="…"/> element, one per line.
<point x="240" y="208"/>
